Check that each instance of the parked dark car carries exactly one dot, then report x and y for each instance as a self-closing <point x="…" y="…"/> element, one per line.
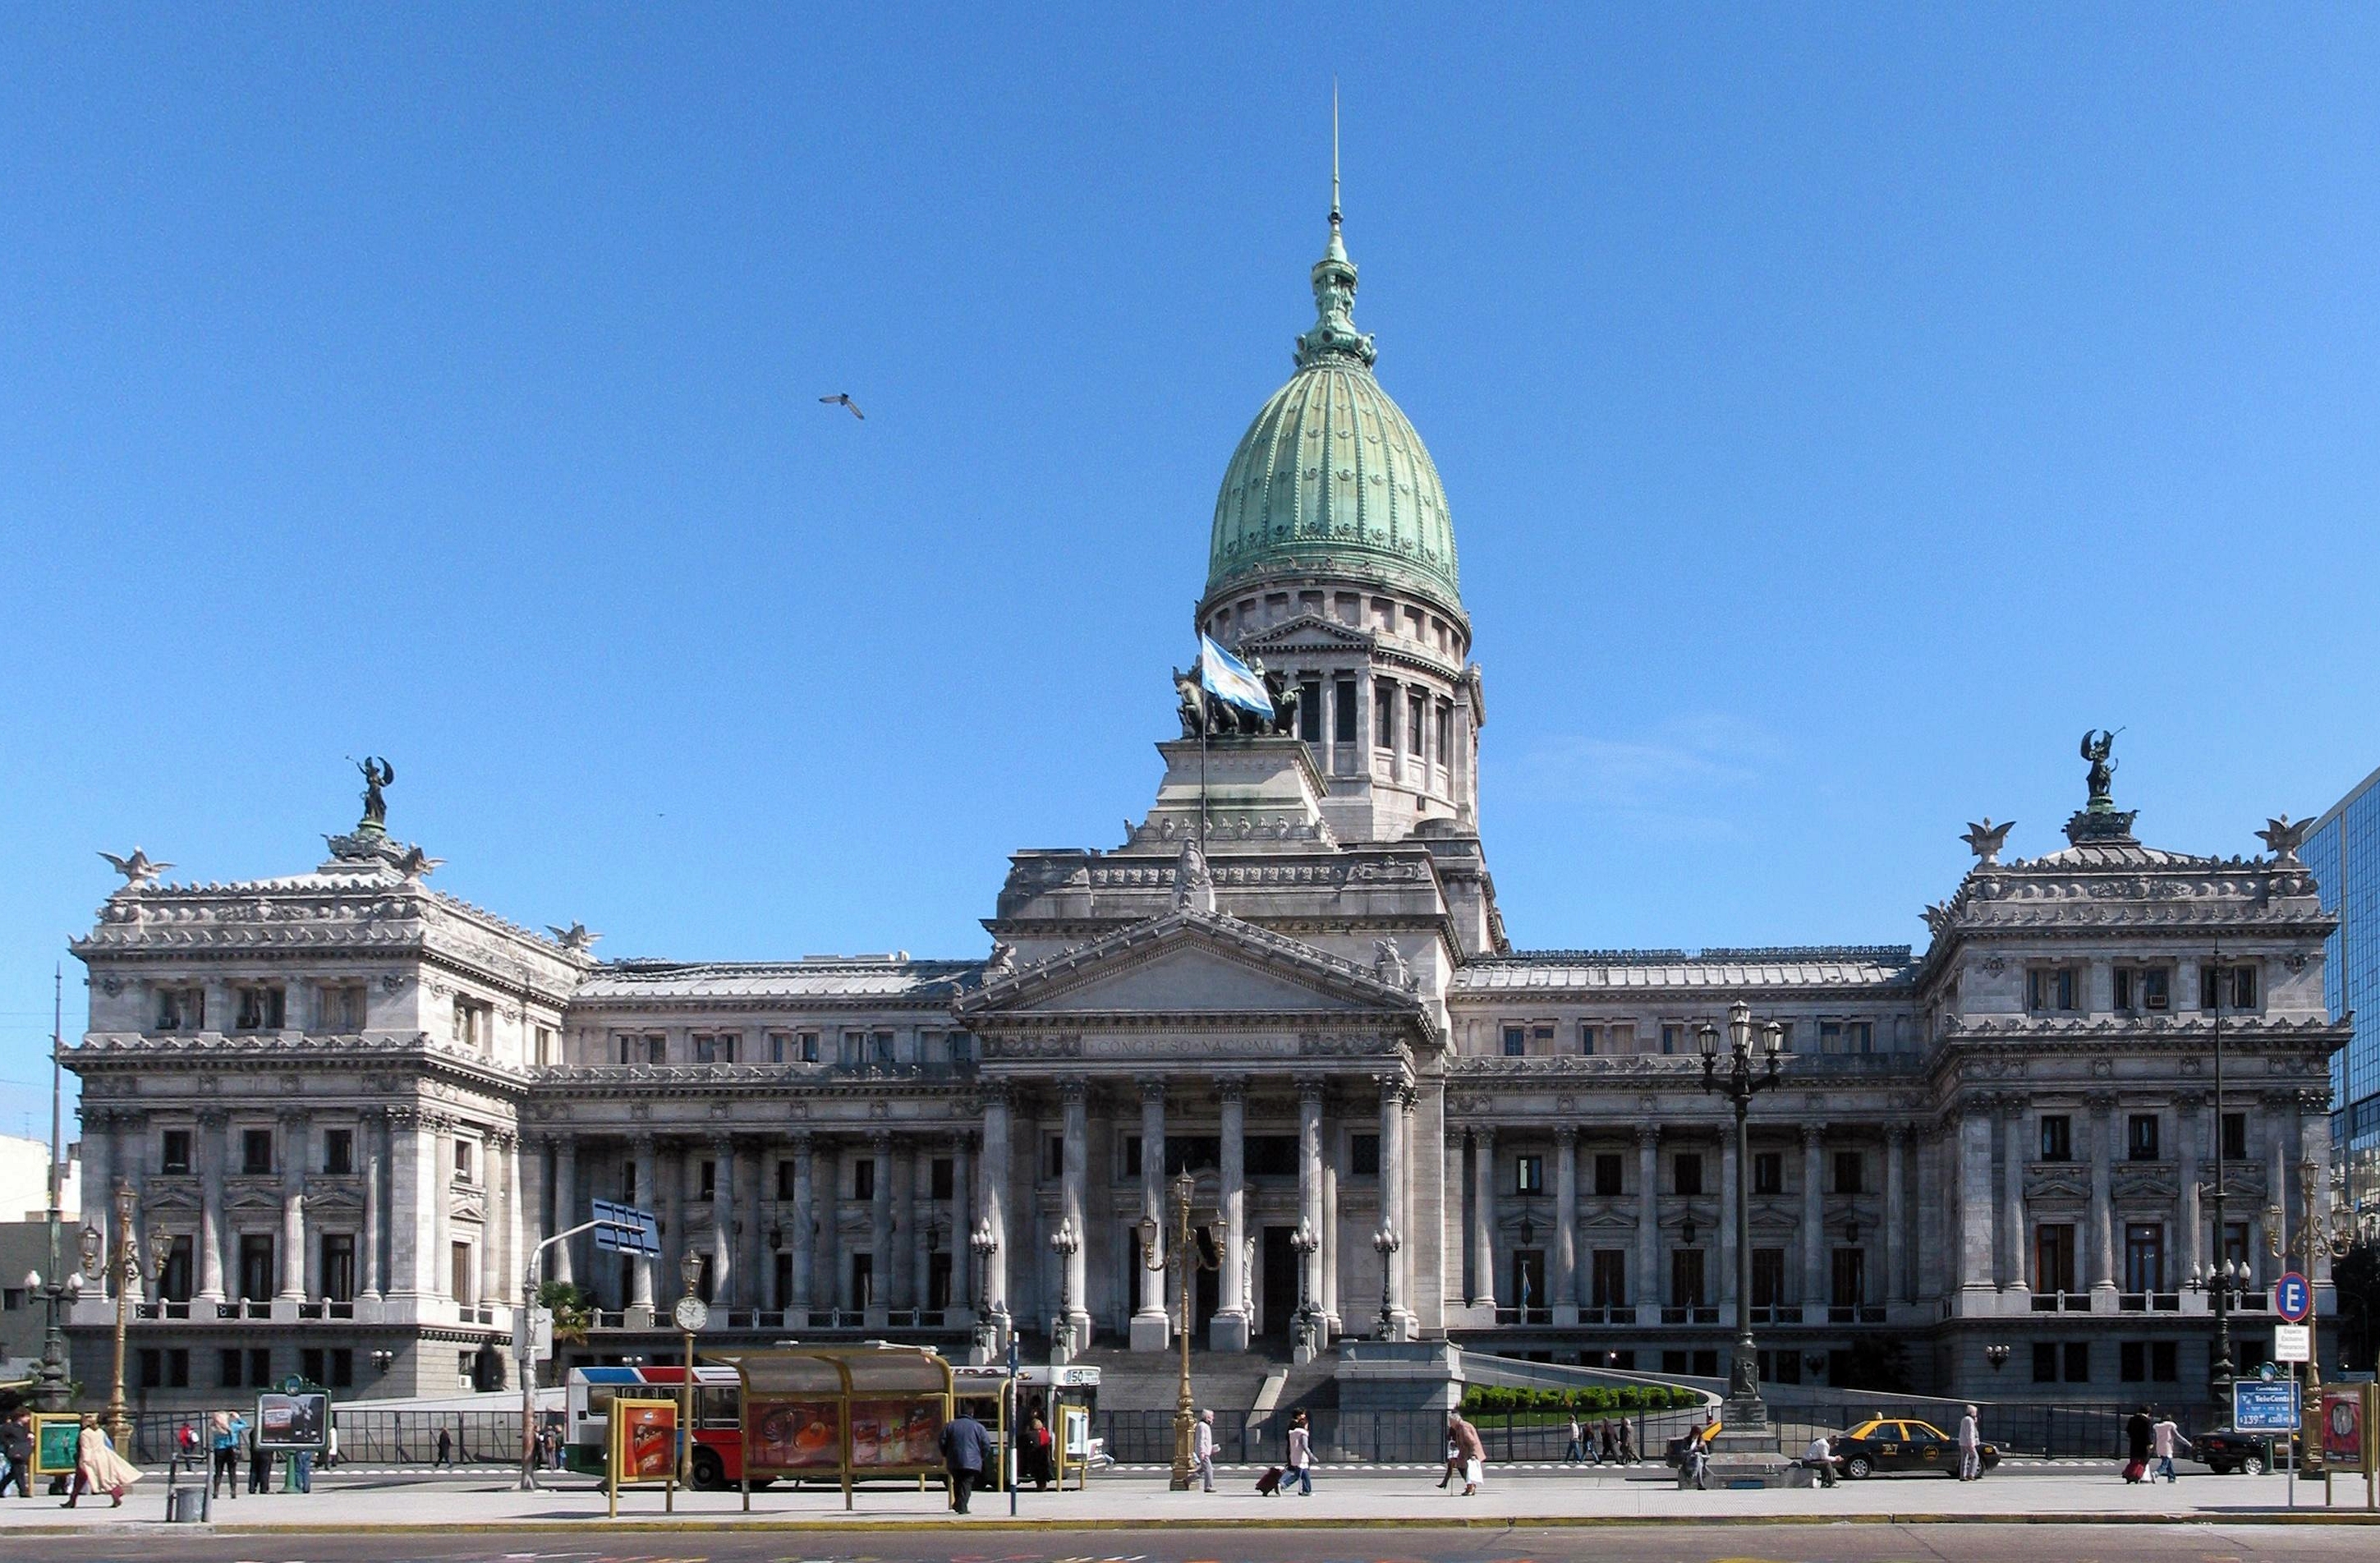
<point x="1887" y="1444"/>
<point x="2227" y="1451"/>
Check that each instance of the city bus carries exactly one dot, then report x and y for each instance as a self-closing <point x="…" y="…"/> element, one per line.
<point x="1065" y="1396"/>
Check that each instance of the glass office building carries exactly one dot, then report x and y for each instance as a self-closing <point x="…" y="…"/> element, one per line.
<point x="2344" y="854"/>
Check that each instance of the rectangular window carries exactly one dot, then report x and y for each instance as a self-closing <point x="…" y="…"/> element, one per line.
<point x="1417" y="721"/>
<point x="863" y="1177"/>
<point x="152" y="1373"/>
<point x="463" y="1158"/>
<point x="256" y="1269"/>
<point x="1607" y="1277"/>
<point x="1445" y="733"/>
<point x="228" y="1363"/>
<point x="181" y="1009"/>
<point x="880" y="1049"/>
<point x="2141" y="1138"/>
<point x="2133" y="1361"/>
<point x="1309" y="710"/>
<point x="1541" y="1039"/>
<point x="2141" y="990"/>
<point x="1620" y="1036"/>
<point x="1686" y="1172"/>
<point x="2053" y="1257"/>
<point x="1606" y="1174"/>
<point x="2235" y="1136"/>
<point x="1686" y="1277"/>
<point x="943" y="1178"/>
<point x="340" y="1007"/>
<point x="343" y="1368"/>
<point x="1364" y="1156"/>
<point x="1768" y="1277"/>
<point x="1053" y="1157"/>
<point x="2143" y="1256"/>
<point x="786" y="1172"/>
<point x="2045" y="1362"/>
<point x="1768" y="1172"/>
<point x="543" y="1054"/>
<point x="176" y="1287"/>
<point x="339" y="1267"/>
<point x="706" y="1179"/>
<point x="1850" y="1277"/>
<point x="2057" y="1137"/>
<point x="2226" y="987"/>
<point x="1384" y="715"/>
<point x="1673" y="1039"/>
<point x="1528" y="1174"/>
<point x="2165" y="1365"/>
<point x="259" y="1366"/>
<point x="2078" y="1361"/>
<point x="1859" y="1036"/>
<point x="1342" y="711"/>
<point x="1516" y="1041"/>
<point x="474" y="1022"/>
<point x="1784" y="1037"/>
<point x="2049" y="989"/>
<point x="1586" y="1041"/>
<point x="464" y="1273"/>
<point x="863" y="1280"/>
<point x="1830" y="1036"/>
<point x="256" y="1152"/>
<point x="310" y="1366"/>
<point x="1848" y="1169"/>
<point x="260" y="1007"/>
<point x="173" y="1153"/>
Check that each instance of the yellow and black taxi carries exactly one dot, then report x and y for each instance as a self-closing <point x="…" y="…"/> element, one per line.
<point x="1886" y="1444"/>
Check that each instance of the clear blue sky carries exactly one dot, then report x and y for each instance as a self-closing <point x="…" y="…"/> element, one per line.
<point x="1842" y="408"/>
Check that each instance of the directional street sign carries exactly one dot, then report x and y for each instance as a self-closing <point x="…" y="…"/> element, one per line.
<point x="624" y="1229"/>
<point x="2293" y="1298"/>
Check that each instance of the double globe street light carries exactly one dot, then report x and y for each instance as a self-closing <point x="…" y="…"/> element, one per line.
<point x="1742" y="1078"/>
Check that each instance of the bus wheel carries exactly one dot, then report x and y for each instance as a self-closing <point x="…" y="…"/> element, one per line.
<point x="707" y="1475"/>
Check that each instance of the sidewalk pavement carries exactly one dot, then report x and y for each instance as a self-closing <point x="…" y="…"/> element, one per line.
<point x="1342" y="1496"/>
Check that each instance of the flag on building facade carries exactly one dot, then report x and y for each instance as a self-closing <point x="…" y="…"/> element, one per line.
<point x="1229" y="679"/>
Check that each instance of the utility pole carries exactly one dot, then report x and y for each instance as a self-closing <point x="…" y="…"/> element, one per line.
<point x="53" y="1377"/>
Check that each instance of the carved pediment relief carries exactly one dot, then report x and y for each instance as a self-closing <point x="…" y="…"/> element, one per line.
<point x="2040" y="1183"/>
<point x="1188" y="979"/>
<point x="2145" y="1183"/>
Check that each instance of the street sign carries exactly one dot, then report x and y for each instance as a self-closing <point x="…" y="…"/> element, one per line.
<point x="2293" y="1343"/>
<point x="2258" y="1406"/>
<point x="541" y="1335"/>
<point x="624" y="1229"/>
<point x="2293" y="1298"/>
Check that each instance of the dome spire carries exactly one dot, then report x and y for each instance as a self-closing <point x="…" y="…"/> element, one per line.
<point x="1334" y="334"/>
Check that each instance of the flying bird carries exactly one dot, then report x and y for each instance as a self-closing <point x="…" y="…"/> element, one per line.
<point x="843" y="399"/>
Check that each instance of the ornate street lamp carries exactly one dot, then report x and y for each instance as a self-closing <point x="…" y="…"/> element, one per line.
<point x="690" y="1314"/>
<point x="1385" y="1243"/>
<point x="1301" y="1333"/>
<point x="124" y="1269"/>
<point x="1065" y="1243"/>
<point x="1182" y="1251"/>
<point x="1741" y="1083"/>
<point x="1998" y="1356"/>
<point x="2330" y="1233"/>
<point x="983" y="1242"/>
<point x="52" y="1381"/>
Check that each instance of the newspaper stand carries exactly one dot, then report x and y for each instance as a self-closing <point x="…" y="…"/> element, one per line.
<point x="644" y="1450"/>
<point x="845" y="1412"/>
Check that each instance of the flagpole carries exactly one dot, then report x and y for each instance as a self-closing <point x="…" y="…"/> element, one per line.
<point x="1206" y="719"/>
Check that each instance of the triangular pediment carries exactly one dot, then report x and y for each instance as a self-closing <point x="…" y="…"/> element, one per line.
<point x="1304" y="631"/>
<point x="1191" y="963"/>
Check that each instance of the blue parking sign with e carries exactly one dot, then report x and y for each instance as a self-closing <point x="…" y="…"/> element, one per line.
<point x="2293" y="1298"/>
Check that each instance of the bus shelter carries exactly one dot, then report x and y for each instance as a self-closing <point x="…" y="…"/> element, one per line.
<point x="848" y="1412"/>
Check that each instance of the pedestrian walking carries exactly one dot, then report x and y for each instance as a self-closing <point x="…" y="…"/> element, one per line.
<point x="225" y="1430"/>
<point x="1034" y="1454"/>
<point x="967" y="1448"/>
<point x="1470" y="1450"/>
<point x="259" y="1465"/>
<point x="1576" y="1453"/>
<point x="98" y="1467"/>
<point x="1603" y="1435"/>
<point x="1971" y="1447"/>
<point x="17" y="1451"/>
<point x="446" y="1449"/>
<point x="1202" y="1450"/>
<point x="330" y="1448"/>
<point x="2139" y="1432"/>
<point x="1821" y="1457"/>
<point x="1301" y="1454"/>
<point x="1627" y="1442"/>
<point x="2164" y="1439"/>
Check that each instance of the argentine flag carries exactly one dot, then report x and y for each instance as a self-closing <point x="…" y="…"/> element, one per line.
<point x="1228" y="679"/>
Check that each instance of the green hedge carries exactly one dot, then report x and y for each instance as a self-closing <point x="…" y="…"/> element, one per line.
<point x="1489" y="1400"/>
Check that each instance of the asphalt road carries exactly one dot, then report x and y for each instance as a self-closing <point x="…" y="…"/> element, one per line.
<point x="1733" y="1544"/>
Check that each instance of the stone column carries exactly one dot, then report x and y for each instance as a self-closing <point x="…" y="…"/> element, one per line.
<point x="2188" y="1223"/>
<point x="1074" y="1201"/>
<point x="752" y="1262"/>
<point x="370" y="1148"/>
<point x="1148" y="1321"/>
<point x="830" y="1275"/>
<point x="1392" y="1198"/>
<point x="493" y="1162"/>
<point x="997" y="1165"/>
<point x="1896" y="1213"/>
<point x="566" y="1204"/>
<point x="2103" y="1201"/>
<point x="670" y="1173"/>
<point x="644" y="1175"/>
<point x="1974" y="1262"/>
<point x="517" y="1194"/>
<point x="924" y="1225"/>
<point x="962" y="1205"/>
<point x="880" y="1225"/>
<point x="1646" y="1287"/>
<point x="292" y="1139"/>
<point x="893" y="1180"/>
<point x="1229" y="1329"/>
<point x="1483" y="1175"/>
<point x="2012" y="1223"/>
<point x="212" y="1123"/>
<point x="1727" y="1219"/>
<point x="801" y="1227"/>
<point x="1564" y="1288"/>
<point x="439" y="1178"/>
<point x="1329" y="1231"/>
<point x="723" y="1221"/>
<point x="1309" y="1185"/>
<point x="1813" y="1221"/>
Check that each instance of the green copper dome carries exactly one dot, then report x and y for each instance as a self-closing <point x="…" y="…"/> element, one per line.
<point x="1330" y="479"/>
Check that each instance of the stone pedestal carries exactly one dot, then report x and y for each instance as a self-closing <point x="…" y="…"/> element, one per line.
<point x="1257" y="790"/>
<point x="1151" y="1332"/>
<point x="1745" y="1452"/>
<point x="1227" y="1332"/>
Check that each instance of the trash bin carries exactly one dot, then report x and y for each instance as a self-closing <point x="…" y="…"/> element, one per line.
<point x="184" y="1505"/>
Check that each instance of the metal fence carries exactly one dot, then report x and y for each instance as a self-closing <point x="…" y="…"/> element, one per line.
<point x="367" y="1436"/>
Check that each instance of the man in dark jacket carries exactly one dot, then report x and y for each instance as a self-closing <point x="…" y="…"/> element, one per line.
<point x="17" y="1446"/>
<point x="967" y="1448"/>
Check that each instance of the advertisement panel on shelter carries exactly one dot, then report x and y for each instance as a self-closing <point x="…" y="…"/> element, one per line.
<point x="792" y="1433"/>
<point x="54" y="1445"/>
<point x="896" y="1435"/>
<point x="2342" y="1427"/>
<point x="2263" y="1405"/>
<point x="293" y="1422"/>
<point x="644" y="1440"/>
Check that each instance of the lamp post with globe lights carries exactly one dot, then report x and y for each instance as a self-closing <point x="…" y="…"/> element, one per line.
<point x="1183" y="1250"/>
<point x="1065" y="1243"/>
<point x="1303" y="1335"/>
<point x="53" y="1380"/>
<point x="1747" y="1073"/>
<point x="983" y="1242"/>
<point x="122" y="1267"/>
<point x="1385" y="1243"/>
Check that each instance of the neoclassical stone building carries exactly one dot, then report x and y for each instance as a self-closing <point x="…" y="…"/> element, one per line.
<point x="355" y="1103"/>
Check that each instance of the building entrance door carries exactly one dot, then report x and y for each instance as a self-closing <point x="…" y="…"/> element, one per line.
<point x="1278" y="1304"/>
